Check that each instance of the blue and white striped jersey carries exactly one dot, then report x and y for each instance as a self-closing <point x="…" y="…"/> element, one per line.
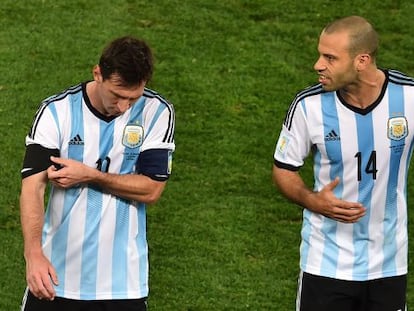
<point x="97" y="241"/>
<point x="369" y="150"/>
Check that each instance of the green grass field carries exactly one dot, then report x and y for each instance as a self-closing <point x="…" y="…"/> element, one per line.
<point x="221" y="237"/>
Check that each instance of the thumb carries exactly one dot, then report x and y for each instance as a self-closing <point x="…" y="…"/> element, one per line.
<point x="331" y="186"/>
<point x="53" y="276"/>
<point x="55" y="159"/>
<point x="57" y="162"/>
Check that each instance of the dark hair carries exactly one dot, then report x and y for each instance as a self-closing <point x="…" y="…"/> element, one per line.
<point x="129" y="59"/>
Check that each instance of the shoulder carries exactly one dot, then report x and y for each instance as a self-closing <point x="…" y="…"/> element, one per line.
<point x="398" y="77"/>
<point x="49" y="103"/>
<point x="156" y="102"/>
<point x="75" y="89"/>
<point x="151" y="95"/>
<point x="309" y="92"/>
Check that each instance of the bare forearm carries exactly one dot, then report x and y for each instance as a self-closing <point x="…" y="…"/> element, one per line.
<point x="32" y="235"/>
<point x="31" y="216"/>
<point x="292" y="186"/>
<point x="130" y="186"/>
<point x="323" y="202"/>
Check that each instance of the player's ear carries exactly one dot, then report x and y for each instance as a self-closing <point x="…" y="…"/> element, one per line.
<point x="362" y="61"/>
<point x="97" y="75"/>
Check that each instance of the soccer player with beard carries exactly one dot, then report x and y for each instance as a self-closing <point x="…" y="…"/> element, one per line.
<point x="358" y="124"/>
<point x="106" y="148"/>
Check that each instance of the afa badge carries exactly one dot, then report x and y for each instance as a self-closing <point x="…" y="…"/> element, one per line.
<point x="133" y="136"/>
<point x="397" y="128"/>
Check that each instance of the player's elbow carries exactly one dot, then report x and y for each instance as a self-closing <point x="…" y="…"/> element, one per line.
<point x="154" y="194"/>
<point x="150" y="199"/>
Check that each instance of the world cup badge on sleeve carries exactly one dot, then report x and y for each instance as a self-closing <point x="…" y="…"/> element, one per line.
<point x="281" y="147"/>
<point x="133" y="136"/>
<point x="397" y="128"/>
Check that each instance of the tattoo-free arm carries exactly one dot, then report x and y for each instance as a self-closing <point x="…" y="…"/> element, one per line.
<point x="40" y="274"/>
<point x="323" y="202"/>
<point x="135" y="187"/>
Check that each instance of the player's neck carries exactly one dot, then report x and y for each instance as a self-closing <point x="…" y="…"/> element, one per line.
<point x="92" y="92"/>
<point x="366" y="91"/>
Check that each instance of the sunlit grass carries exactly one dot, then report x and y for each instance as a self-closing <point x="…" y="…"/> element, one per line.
<point x="221" y="237"/>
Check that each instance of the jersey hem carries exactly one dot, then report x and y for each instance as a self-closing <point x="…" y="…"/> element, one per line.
<point x="348" y="277"/>
<point x="102" y="296"/>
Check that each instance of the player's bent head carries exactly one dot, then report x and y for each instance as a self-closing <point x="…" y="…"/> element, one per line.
<point x="129" y="58"/>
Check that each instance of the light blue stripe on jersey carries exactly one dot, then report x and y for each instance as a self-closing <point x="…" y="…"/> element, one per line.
<point x="306" y="229"/>
<point x="365" y="130"/>
<point x="141" y="239"/>
<point x="123" y="213"/>
<point x="396" y="108"/>
<point x="93" y="216"/>
<point x="74" y="152"/>
<point x="119" y="255"/>
<point x="334" y="151"/>
<point x="156" y="116"/>
<point x="52" y="108"/>
<point x="142" y="245"/>
<point x="90" y="244"/>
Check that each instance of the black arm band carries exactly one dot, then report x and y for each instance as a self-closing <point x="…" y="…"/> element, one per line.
<point x="155" y="163"/>
<point x="37" y="159"/>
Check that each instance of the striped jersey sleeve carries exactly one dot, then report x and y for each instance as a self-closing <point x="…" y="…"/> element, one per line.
<point x="294" y="143"/>
<point x="370" y="151"/>
<point x="96" y="241"/>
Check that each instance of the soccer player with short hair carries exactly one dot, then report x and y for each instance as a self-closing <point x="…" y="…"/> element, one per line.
<point x="357" y="122"/>
<point x="105" y="146"/>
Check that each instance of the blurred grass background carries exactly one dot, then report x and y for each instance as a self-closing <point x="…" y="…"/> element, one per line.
<point x="221" y="237"/>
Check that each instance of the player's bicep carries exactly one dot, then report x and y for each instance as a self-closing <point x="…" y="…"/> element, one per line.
<point x="160" y="135"/>
<point x="155" y="163"/>
<point x="294" y="143"/>
<point x="37" y="159"/>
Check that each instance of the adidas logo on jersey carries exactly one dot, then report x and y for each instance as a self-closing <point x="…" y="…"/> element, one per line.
<point x="332" y="136"/>
<point x="77" y="140"/>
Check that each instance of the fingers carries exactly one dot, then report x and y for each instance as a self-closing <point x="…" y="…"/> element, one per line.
<point x="57" y="163"/>
<point x="53" y="276"/>
<point x="50" y="291"/>
<point x="41" y="277"/>
<point x="57" y="160"/>
<point x="348" y="214"/>
<point x="42" y="287"/>
<point x="337" y="209"/>
<point x="54" y="171"/>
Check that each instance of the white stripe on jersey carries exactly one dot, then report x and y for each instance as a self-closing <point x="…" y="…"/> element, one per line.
<point x="96" y="241"/>
<point x="364" y="149"/>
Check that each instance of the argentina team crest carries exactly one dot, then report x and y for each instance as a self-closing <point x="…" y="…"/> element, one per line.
<point x="397" y="128"/>
<point x="133" y="136"/>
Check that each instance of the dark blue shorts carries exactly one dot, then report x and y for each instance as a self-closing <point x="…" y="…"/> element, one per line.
<point x="318" y="293"/>
<point x="31" y="303"/>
